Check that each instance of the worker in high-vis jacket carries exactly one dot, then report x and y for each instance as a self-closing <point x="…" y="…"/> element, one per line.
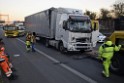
<point x="106" y="52"/>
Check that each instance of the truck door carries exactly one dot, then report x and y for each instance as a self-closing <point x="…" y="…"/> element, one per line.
<point x="95" y="32"/>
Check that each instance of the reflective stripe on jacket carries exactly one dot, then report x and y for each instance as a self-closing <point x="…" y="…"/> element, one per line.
<point x="33" y="39"/>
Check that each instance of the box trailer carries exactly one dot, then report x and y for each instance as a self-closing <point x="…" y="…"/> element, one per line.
<point x="64" y="28"/>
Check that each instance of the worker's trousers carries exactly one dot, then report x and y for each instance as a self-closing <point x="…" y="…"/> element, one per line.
<point x="32" y="46"/>
<point x="106" y="65"/>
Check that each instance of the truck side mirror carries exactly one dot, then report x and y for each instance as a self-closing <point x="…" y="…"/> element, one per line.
<point x="65" y="25"/>
<point x="3" y="28"/>
<point x="94" y="27"/>
<point x="17" y="28"/>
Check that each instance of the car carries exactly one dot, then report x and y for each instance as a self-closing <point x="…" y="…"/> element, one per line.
<point x="101" y="37"/>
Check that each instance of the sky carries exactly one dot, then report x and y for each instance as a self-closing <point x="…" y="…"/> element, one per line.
<point x="19" y="9"/>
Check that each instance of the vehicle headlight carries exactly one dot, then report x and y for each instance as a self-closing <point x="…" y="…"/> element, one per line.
<point x="73" y="39"/>
<point x="104" y="37"/>
<point x="70" y="47"/>
<point x="5" y="34"/>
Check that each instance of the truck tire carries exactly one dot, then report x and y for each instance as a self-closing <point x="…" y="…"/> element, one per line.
<point x="117" y="65"/>
<point x="62" y="48"/>
<point x="47" y="43"/>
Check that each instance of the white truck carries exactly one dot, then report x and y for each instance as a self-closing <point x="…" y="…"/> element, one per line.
<point x="64" y="28"/>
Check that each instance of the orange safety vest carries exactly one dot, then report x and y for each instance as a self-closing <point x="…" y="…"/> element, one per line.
<point x="3" y="56"/>
<point x="5" y="65"/>
<point x="28" y="38"/>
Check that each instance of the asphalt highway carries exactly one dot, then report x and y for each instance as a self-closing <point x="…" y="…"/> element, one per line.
<point x="48" y="65"/>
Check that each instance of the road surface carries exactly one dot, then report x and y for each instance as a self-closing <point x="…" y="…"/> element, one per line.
<point x="48" y="65"/>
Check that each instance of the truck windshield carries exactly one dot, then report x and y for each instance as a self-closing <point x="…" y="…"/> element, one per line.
<point x="10" y="28"/>
<point x="80" y="26"/>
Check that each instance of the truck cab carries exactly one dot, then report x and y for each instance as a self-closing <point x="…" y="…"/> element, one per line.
<point x="13" y="31"/>
<point x="10" y="31"/>
<point x="75" y="31"/>
<point x="64" y="28"/>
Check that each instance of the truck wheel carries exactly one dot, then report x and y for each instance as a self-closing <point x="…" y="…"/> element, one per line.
<point x="62" y="48"/>
<point x="47" y="43"/>
<point x="117" y="65"/>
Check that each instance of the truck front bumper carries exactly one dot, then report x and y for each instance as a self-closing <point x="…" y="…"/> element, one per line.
<point x="79" y="46"/>
<point x="11" y="35"/>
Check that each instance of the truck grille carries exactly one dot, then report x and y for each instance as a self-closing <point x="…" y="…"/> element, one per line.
<point x="81" y="44"/>
<point x="9" y="33"/>
<point x="83" y="40"/>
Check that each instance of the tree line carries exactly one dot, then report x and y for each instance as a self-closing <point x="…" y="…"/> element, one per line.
<point x="117" y="11"/>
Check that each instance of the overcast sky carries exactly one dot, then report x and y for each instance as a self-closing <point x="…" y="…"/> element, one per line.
<point x="18" y="9"/>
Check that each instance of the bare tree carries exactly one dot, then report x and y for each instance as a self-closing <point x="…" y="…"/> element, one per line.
<point x="105" y="14"/>
<point x="87" y="12"/>
<point x="92" y="15"/>
<point x="118" y="8"/>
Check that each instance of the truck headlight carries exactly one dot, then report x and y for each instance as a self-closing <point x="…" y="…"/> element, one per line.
<point x="5" y="34"/>
<point x="73" y="39"/>
<point x="15" y="35"/>
<point x="70" y="46"/>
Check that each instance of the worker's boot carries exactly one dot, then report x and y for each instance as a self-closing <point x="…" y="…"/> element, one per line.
<point x="104" y="75"/>
<point x="13" y="69"/>
<point x="33" y="50"/>
<point x="28" y="48"/>
<point x="12" y="77"/>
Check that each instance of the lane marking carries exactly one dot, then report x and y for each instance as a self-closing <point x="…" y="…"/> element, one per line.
<point x="88" y="79"/>
<point x="16" y="55"/>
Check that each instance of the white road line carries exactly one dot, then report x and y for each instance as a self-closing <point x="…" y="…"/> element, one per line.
<point x="88" y="79"/>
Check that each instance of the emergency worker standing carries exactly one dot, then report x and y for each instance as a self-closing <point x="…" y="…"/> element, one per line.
<point x="28" y="42"/>
<point x="106" y="52"/>
<point x="33" y="41"/>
